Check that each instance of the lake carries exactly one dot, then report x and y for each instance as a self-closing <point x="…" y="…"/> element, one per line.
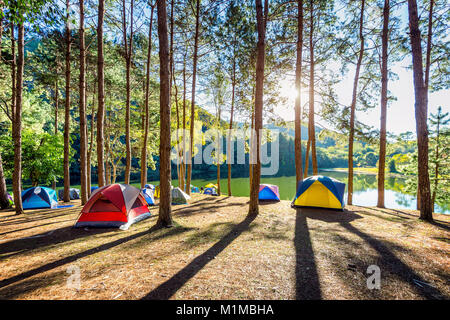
<point x="364" y="189"/>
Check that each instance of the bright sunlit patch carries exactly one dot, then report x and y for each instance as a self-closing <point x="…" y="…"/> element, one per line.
<point x="288" y="90"/>
<point x="285" y="109"/>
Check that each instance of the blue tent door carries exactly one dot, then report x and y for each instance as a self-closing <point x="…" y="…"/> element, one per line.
<point x="35" y="202"/>
<point x="267" y="194"/>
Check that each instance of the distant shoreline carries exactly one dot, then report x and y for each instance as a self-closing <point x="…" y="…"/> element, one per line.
<point x="371" y="171"/>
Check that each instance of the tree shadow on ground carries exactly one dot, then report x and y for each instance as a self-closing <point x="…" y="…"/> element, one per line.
<point x="5" y="285"/>
<point x="438" y="223"/>
<point x="37" y="216"/>
<point x="267" y="202"/>
<point x="390" y="262"/>
<point x="307" y="284"/>
<point x="167" y="289"/>
<point x="48" y="238"/>
<point x="32" y="227"/>
<point x="393" y="265"/>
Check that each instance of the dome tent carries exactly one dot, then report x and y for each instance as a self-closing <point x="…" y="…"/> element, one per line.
<point x="210" y="191"/>
<point x="148" y="196"/>
<point x="73" y="193"/>
<point x="114" y="205"/>
<point x="211" y="185"/>
<point x="320" y="191"/>
<point x="39" y="197"/>
<point x="268" y="192"/>
<point x="179" y="196"/>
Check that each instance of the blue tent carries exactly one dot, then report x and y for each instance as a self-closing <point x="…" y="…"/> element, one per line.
<point x="93" y="188"/>
<point x="210" y="191"/>
<point x="195" y="189"/>
<point x="148" y="196"/>
<point x="39" y="197"/>
<point x="268" y="192"/>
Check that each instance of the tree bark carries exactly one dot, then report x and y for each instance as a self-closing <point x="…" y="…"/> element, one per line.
<point x="233" y="89"/>
<point x="128" y="55"/>
<point x="311" y="124"/>
<point x="147" y="95"/>
<point x="13" y="73"/>
<point x="56" y="121"/>
<point x="165" y="216"/>
<point x="436" y="155"/>
<point x="261" y="19"/>
<point x="383" y="104"/>
<point x="183" y="160"/>
<point x="91" y="146"/>
<point x="101" y="95"/>
<point x="66" y="197"/>
<point x="353" y="107"/>
<point x="194" y="74"/>
<point x="308" y="147"/>
<point x="421" y="109"/>
<point x="82" y="109"/>
<point x="298" y="112"/>
<point x="17" y="123"/>
<point x="218" y="154"/>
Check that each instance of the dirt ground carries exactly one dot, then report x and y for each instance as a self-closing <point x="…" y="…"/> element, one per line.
<point x="215" y="252"/>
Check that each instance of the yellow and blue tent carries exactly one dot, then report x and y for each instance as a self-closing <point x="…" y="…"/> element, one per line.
<point x="320" y="191"/>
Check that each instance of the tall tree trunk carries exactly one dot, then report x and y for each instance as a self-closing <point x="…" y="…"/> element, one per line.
<point x="298" y="78"/>
<point x="261" y="20"/>
<point x="13" y="73"/>
<point x="128" y="55"/>
<point x="233" y="89"/>
<point x="251" y="160"/>
<point x="56" y="120"/>
<point x="421" y="110"/>
<point x="17" y="123"/>
<point x="218" y="154"/>
<point x="436" y="155"/>
<point x="4" y="202"/>
<point x="308" y="147"/>
<point x="66" y="196"/>
<point x="353" y="107"/>
<point x="101" y="95"/>
<point x="194" y="75"/>
<point x="147" y="95"/>
<point x="107" y="148"/>
<point x="165" y="209"/>
<point x="429" y="38"/>
<point x="91" y="146"/>
<point x="183" y="160"/>
<point x="311" y="124"/>
<point x="82" y="109"/>
<point x="384" y="86"/>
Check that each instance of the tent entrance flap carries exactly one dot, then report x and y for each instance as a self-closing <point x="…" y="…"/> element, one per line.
<point x="317" y="195"/>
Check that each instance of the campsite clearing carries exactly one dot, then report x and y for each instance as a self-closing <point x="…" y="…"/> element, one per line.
<point x="215" y="252"/>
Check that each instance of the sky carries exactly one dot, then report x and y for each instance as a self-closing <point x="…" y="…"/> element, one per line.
<point x="400" y="116"/>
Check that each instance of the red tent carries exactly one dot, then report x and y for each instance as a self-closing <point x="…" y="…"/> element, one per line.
<point x="114" y="205"/>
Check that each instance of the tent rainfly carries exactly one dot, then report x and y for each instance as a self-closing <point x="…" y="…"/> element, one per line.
<point x="114" y="205"/>
<point x="320" y="191"/>
<point x="39" y="197"/>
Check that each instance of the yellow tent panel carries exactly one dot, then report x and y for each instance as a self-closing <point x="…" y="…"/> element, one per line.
<point x="317" y="195"/>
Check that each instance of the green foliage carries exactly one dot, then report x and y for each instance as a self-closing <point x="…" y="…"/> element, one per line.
<point x="42" y="156"/>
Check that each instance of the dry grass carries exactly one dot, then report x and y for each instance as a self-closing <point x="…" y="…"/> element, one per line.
<point x="214" y="252"/>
